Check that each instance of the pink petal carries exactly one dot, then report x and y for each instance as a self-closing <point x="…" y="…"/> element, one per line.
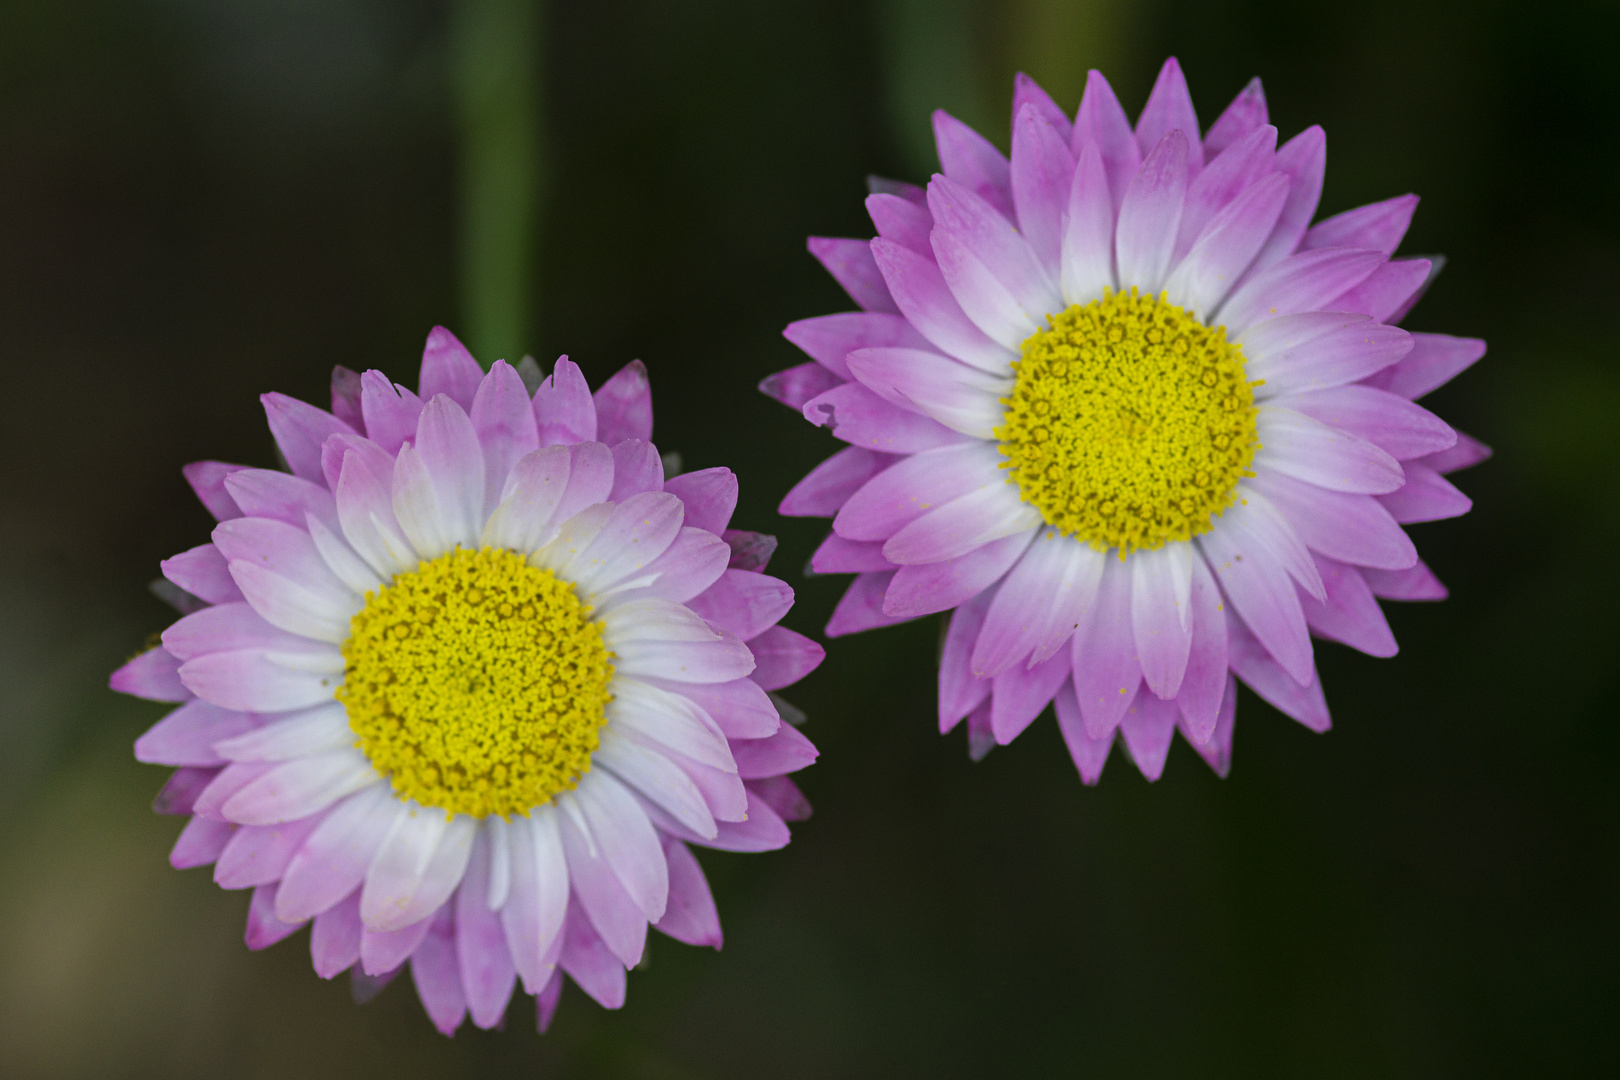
<point x="826" y="488"/>
<point x="200" y="843"/>
<point x="1349" y="613"/>
<point x="334" y="941"/>
<point x="638" y="469"/>
<point x="1161" y="616"/>
<point x="1349" y="528"/>
<point x="921" y="293"/>
<point x="851" y="265"/>
<point x="383" y="953"/>
<point x="1147" y="728"/>
<point x="1426" y="496"/>
<point x="861" y="607"/>
<point x="1205" y="682"/>
<point x="602" y="896"/>
<point x="899" y="495"/>
<point x="785" y="752"/>
<point x="1170" y="108"/>
<point x="1388" y="421"/>
<point x="624" y="405"/>
<point x="187" y="735"/>
<point x="1216" y="745"/>
<point x="1089" y="754"/>
<point x="1020" y="693"/>
<point x="332" y="862"/>
<point x="1088" y="240"/>
<point x="181" y="791"/>
<point x="796" y="385"/>
<point x="783" y="657"/>
<point x="346" y="398"/>
<point x="962" y="398"/>
<point x="207" y="479"/>
<point x="1435" y="360"/>
<point x="1150" y="215"/>
<point x="743" y="603"/>
<point x="1247" y="112"/>
<point x="1106" y="670"/>
<point x="153" y="675"/>
<point x="923" y="590"/>
<point x="1263" y="595"/>
<point x="390" y="411"/>
<point x="484" y="963"/>
<point x="710" y="497"/>
<point x="837" y="555"/>
<point x="1319" y="349"/>
<point x="989" y="513"/>
<point x="1304" y="159"/>
<point x="1042" y="169"/>
<point x="1307" y="449"/>
<point x="1417" y="583"/>
<point x="268" y="494"/>
<point x="691" y="916"/>
<point x="750" y="551"/>
<point x="1388" y="289"/>
<point x="902" y="221"/>
<point x="1303" y="282"/>
<point x="259" y="854"/>
<point x="591" y="964"/>
<point x="264" y="928"/>
<point x="1039" y="604"/>
<point x="830" y="338"/>
<point x="1256" y="666"/>
<point x="1226" y="178"/>
<point x="960" y="692"/>
<point x="299" y="431"/>
<point x="504" y="423"/>
<point x="438" y="982"/>
<point x="969" y="159"/>
<point x="537" y="903"/>
<point x="857" y="415"/>
<point x="1027" y="92"/>
<point x="783" y="796"/>
<point x="1379" y="226"/>
<point x="449" y="369"/>
<point x="563" y="408"/>
<point x="1101" y="122"/>
<point x="1467" y="453"/>
<point x="1226" y="247"/>
<point x="740" y="709"/>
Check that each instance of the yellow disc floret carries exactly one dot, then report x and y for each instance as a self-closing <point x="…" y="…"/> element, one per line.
<point x="1130" y="423"/>
<point x="477" y="683"/>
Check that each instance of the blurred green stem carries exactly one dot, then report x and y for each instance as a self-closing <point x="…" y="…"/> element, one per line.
<point x="495" y="51"/>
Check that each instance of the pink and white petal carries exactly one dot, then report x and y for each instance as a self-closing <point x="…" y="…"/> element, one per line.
<point x="1216" y="747"/>
<point x="563" y="408"/>
<point x="636" y="532"/>
<point x="785" y="752"/>
<point x="905" y="492"/>
<point x="448" y="446"/>
<point x="923" y="590"/>
<point x="625" y="837"/>
<point x="1020" y="693"/>
<point x="1343" y="526"/>
<point x="710" y="497"/>
<point x="837" y="555"/>
<point x="259" y="854"/>
<point x="264" y="928"/>
<point x="1089" y="755"/>
<point x="590" y="963"/>
<point x="637" y="468"/>
<point x="782" y="657"/>
<point x="1297" y="445"/>
<point x="286" y="551"/>
<point x="266" y="493"/>
<point x="1264" y="596"/>
<point x="1304" y="159"/>
<point x="691" y="564"/>
<point x="624" y="405"/>
<point x="1150" y="216"/>
<point x="226" y="783"/>
<point x="1161" y="615"/>
<point x="1146" y="730"/>
<point x="390" y="410"/>
<point x="571" y="541"/>
<point x="859" y="416"/>
<point x="690" y="916"/>
<point x="1468" y="452"/>
<point x="203" y="573"/>
<point x="962" y="398"/>
<point x="743" y="603"/>
<point x="1307" y="281"/>
<point x="740" y="709"/>
<point x="332" y="862"/>
<point x="434" y="971"/>
<point x="829" y="338"/>
<point x="1349" y="613"/>
<point x="207" y="480"/>
<point x="1402" y="429"/>
<point x="1101" y="121"/>
<point x="1255" y="521"/>
<point x="1435" y="360"/>
<point x="991" y="271"/>
<point x="601" y="896"/>
<point x="1227" y="177"/>
<point x="295" y="789"/>
<point x="524" y="519"/>
<point x="1042" y="170"/>
<point x="538" y="898"/>
<point x="861" y="607"/>
<point x="1258" y="667"/>
<point x="922" y="295"/>
<point x="826" y="488"/>
<point x="1417" y="583"/>
<point x="1226" y="247"/>
<point x="1039" y="604"/>
<point x="256" y="680"/>
<point x="319" y="612"/>
<point x="1247" y="112"/>
<point x="1426" y="496"/>
<point x="1169" y="108"/>
<point x="187" y="735"/>
<point x="902" y="221"/>
<point x="1027" y="92"/>
<point x="989" y="513"/>
<point x="449" y="369"/>
<point x="200" y="843"/>
<point x="416" y="869"/>
<point x="1103" y="653"/>
<point x="300" y="430"/>
<point x="675" y="721"/>
<point x="366" y="512"/>
<point x="960" y="691"/>
<point x="1087" y="261"/>
<point x="851" y="264"/>
<point x="483" y="959"/>
<point x="153" y="675"/>
<point x="722" y="790"/>
<point x="970" y="160"/>
<point x="504" y="424"/>
<point x="1379" y="226"/>
<point x="783" y="796"/>
<point x="1387" y="289"/>
<point x="655" y="777"/>
<point x="760" y="829"/>
<point x="1204" y="683"/>
<point x="1319" y="349"/>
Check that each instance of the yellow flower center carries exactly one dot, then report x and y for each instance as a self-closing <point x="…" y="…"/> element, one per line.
<point x="477" y="683"/>
<point x="1130" y="423"/>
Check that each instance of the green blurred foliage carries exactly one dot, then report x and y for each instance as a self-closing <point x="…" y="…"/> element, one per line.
<point x="200" y="202"/>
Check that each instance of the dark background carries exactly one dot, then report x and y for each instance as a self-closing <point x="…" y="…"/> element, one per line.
<point x="202" y="201"/>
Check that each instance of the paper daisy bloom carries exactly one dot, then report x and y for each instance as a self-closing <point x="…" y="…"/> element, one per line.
<point x="462" y="685"/>
<point x="1121" y="406"/>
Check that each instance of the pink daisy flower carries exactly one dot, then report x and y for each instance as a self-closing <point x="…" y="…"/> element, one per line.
<point x="1119" y="404"/>
<point x="462" y="685"/>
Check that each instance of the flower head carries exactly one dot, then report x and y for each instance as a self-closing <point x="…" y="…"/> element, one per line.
<point x="461" y="686"/>
<point x="1119" y="404"/>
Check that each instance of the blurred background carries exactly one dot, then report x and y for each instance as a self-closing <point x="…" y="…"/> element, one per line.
<point x="202" y="201"/>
